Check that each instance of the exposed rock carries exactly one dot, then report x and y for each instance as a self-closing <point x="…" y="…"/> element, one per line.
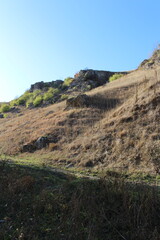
<point x="28" y="148"/>
<point x="37" y="86"/>
<point x="151" y="62"/>
<point x="42" y="85"/>
<point x="15" y="110"/>
<point x="78" y="101"/>
<point x="41" y="142"/>
<point x="88" y="79"/>
<point x="89" y="163"/>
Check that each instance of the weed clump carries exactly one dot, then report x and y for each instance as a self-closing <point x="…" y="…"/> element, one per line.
<point x="67" y="81"/>
<point x="115" y="76"/>
<point x="5" y="108"/>
<point x="38" y="100"/>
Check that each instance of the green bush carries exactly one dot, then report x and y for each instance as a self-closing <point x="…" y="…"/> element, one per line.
<point x="64" y="97"/>
<point x="29" y="102"/>
<point x="36" y="93"/>
<point x="38" y="100"/>
<point x="5" y="115"/>
<point x="115" y="76"/>
<point x="5" y="108"/>
<point x="55" y="91"/>
<point x="47" y="96"/>
<point x="13" y="103"/>
<point x="23" y="99"/>
<point x="20" y="101"/>
<point x="67" y="81"/>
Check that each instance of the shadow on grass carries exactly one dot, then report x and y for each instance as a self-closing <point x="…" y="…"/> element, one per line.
<point x="103" y="102"/>
<point x="40" y="204"/>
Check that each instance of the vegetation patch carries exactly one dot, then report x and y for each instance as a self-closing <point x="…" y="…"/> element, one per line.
<point x="4" y="108"/>
<point x="68" y="81"/>
<point x="115" y="77"/>
<point x="40" y="204"/>
<point x="38" y="100"/>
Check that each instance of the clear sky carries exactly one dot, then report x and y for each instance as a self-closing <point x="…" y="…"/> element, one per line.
<point x="45" y="40"/>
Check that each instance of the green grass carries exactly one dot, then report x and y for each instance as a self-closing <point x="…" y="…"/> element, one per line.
<point x="39" y="204"/>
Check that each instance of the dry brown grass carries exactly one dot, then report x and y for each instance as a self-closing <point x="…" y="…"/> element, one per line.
<point x="118" y="135"/>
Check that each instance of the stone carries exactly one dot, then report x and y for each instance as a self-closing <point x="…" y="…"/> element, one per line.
<point x="57" y="83"/>
<point x="1" y="116"/>
<point x="88" y="79"/>
<point x="28" y="148"/>
<point x="151" y="62"/>
<point x="41" y="142"/>
<point x="81" y="100"/>
<point x="37" y="86"/>
<point x="45" y="85"/>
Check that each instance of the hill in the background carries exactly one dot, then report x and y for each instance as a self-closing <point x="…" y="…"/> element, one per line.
<point x="115" y="125"/>
<point x="45" y="93"/>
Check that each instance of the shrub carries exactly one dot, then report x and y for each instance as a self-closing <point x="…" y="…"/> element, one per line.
<point x="67" y="81"/>
<point x="23" y="99"/>
<point x="36" y="93"/>
<point x="5" y="115"/>
<point x="29" y="102"/>
<point x="47" y="96"/>
<point x="13" y="103"/>
<point x="54" y="91"/>
<point x="64" y="97"/>
<point x="5" y="108"/>
<point x="20" y="101"/>
<point x="115" y="76"/>
<point x="38" y="100"/>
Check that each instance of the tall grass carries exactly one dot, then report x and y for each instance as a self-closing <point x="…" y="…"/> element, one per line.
<point x="36" y="204"/>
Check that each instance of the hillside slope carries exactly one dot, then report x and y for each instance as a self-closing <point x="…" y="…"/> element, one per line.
<point x="124" y="134"/>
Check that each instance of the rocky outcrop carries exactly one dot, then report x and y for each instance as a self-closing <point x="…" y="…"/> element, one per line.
<point x="151" y="62"/>
<point x="83" y="81"/>
<point x="88" y="79"/>
<point x="79" y="101"/>
<point x="45" y="85"/>
<point x="41" y="142"/>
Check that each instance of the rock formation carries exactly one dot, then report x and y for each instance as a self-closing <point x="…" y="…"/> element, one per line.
<point x="151" y="62"/>
<point x="42" y="85"/>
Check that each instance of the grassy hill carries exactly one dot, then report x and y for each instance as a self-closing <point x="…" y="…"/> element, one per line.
<point x="87" y="167"/>
<point x="123" y="134"/>
<point x="43" y="204"/>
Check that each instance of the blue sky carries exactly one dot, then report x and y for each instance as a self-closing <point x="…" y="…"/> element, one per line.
<point x="45" y="40"/>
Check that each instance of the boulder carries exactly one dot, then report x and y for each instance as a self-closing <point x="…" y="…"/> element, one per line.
<point x="28" y="148"/>
<point x="41" y="142"/>
<point x="81" y="100"/>
<point x="57" y="83"/>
